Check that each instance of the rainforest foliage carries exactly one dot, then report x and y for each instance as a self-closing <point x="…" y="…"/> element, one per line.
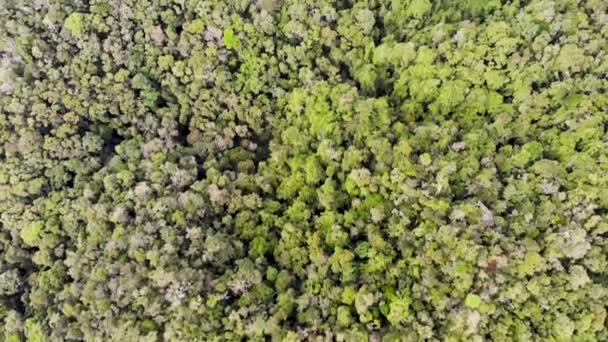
<point x="290" y="170"/>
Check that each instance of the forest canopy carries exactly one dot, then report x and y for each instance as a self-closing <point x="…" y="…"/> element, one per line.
<point x="299" y="170"/>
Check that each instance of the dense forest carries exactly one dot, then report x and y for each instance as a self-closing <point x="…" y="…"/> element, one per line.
<point x="303" y="170"/>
